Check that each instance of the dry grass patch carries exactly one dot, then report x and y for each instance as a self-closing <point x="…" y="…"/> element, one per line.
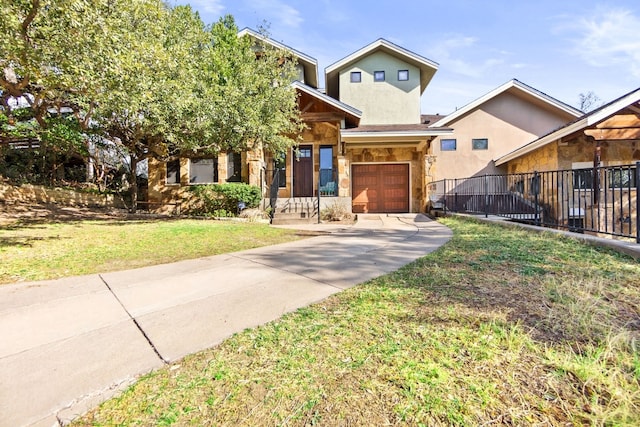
<point x="498" y="327"/>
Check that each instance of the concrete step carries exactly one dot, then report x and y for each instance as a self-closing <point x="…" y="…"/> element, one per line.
<point x="293" y="218"/>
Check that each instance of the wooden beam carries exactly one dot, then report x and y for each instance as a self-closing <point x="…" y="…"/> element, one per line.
<point x="322" y="117"/>
<point x="620" y="121"/>
<point x="613" y="134"/>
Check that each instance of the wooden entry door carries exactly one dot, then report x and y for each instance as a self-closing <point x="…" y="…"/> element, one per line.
<point x="303" y="172"/>
<point x="380" y="188"/>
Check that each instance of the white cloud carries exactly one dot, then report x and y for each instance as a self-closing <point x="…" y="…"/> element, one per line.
<point x="448" y="54"/>
<point x="609" y="38"/>
<point x="214" y="7"/>
<point x="278" y="12"/>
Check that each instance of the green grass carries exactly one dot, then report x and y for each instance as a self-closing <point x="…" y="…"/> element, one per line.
<point x="51" y="250"/>
<point x="498" y="326"/>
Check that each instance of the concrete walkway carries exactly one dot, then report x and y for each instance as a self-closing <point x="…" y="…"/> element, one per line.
<point x="66" y="345"/>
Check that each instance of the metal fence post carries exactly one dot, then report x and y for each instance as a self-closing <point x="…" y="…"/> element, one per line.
<point x="486" y="196"/>
<point x="638" y="202"/>
<point x="536" y="191"/>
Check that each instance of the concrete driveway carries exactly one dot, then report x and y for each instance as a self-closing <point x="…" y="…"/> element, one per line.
<point x="67" y="345"/>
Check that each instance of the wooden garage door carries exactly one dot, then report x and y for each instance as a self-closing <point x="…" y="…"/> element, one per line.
<point x="380" y="188"/>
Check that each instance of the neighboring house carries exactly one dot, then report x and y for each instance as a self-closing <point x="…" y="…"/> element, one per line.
<point x="613" y="130"/>
<point x="591" y="163"/>
<point x="493" y="125"/>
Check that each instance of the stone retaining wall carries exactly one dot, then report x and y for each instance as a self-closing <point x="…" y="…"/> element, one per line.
<point x="35" y="194"/>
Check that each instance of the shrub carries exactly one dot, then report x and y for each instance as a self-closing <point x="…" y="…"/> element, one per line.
<point x="216" y="199"/>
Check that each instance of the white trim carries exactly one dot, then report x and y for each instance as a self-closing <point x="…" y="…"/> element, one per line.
<point x="584" y="122"/>
<point x="409" y="179"/>
<point x="400" y="51"/>
<point x="501" y="89"/>
<point x="427" y="67"/>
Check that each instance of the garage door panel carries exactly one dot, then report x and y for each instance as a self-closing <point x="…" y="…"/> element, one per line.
<point x="380" y="188"/>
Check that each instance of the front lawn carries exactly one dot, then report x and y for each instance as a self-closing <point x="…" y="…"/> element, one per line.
<point x="498" y="327"/>
<point x="48" y="250"/>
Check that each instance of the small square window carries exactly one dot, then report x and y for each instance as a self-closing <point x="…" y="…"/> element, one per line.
<point x="356" y="77"/>
<point x="378" y="76"/>
<point x="448" y="145"/>
<point x="403" y="75"/>
<point x="480" y="144"/>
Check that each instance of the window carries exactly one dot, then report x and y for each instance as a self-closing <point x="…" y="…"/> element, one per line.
<point x="447" y="145"/>
<point x="173" y="172"/>
<point x="403" y="75"/>
<point x="234" y="167"/>
<point x="624" y="177"/>
<point x="356" y="77"/>
<point x="480" y="144"/>
<point x="303" y="153"/>
<point x="326" y="165"/>
<point x="203" y="171"/>
<point x="582" y="175"/>
<point x="378" y="76"/>
<point x="280" y="167"/>
<point x="583" y="179"/>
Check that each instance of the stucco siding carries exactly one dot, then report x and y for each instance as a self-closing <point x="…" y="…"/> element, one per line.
<point x="387" y="102"/>
<point x="507" y="121"/>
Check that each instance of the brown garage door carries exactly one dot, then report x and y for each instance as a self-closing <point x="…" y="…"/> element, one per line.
<point x="380" y="188"/>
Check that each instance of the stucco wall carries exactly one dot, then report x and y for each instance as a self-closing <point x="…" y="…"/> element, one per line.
<point x="414" y="158"/>
<point x="388" y="102"/>
<point x="507" y="121"/>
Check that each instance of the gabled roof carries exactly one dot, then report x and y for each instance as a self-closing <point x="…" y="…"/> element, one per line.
<point x="587" y="120"/>
<point x="309" y="64"/>
<point x="510" y="86"/>
<point x="427" y="67"/>
<point x="347" y="109"/>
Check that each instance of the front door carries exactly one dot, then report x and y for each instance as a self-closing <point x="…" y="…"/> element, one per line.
<point x="303" y="172"/>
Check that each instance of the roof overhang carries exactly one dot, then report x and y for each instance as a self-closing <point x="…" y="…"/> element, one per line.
<point x="308" y="63"/>
<point x="514" y="86"/>
<point x="588" y="120"/>
<point x="427" y="67"/>
<point x="347" y="109"/>
<point x="390" y="139"/>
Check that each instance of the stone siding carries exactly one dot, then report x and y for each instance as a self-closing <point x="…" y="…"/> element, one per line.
<point x="35" y="194"/>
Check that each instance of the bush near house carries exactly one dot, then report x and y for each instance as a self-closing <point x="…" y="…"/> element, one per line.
<point x="223" y="199"/>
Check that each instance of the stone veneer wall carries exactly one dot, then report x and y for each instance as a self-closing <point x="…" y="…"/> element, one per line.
<point x="561" y="156"/>
<point x="27" y="194"/>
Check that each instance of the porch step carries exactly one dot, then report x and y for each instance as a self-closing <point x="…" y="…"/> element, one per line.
<point x="292" y="218"/>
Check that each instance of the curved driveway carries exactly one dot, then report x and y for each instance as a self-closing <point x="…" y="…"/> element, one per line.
<point x="66" y="345"/>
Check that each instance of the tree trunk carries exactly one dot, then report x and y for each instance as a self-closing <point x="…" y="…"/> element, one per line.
<point x="133" y="182"/>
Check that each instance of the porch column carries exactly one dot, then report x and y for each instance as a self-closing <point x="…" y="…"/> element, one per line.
<point x="344" y="179"/>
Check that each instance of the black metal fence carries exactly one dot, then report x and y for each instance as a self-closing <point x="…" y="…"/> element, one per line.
<point x="602" y="200"/>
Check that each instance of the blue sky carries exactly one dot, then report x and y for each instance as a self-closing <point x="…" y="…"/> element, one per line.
<point x="561" y="47"/>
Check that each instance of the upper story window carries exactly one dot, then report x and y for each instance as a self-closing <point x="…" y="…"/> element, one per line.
<point x="403" y="75"/>
<point x="480" y="144"/>
<point x="173" y="172"/>
<point x="356" y="77"/>
<point x="448" y="145"/>
<point x="378" y="76"/>
<point x="203" y="171"/>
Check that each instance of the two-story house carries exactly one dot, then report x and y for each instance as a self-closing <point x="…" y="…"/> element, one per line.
<point x="366" y="144"/>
